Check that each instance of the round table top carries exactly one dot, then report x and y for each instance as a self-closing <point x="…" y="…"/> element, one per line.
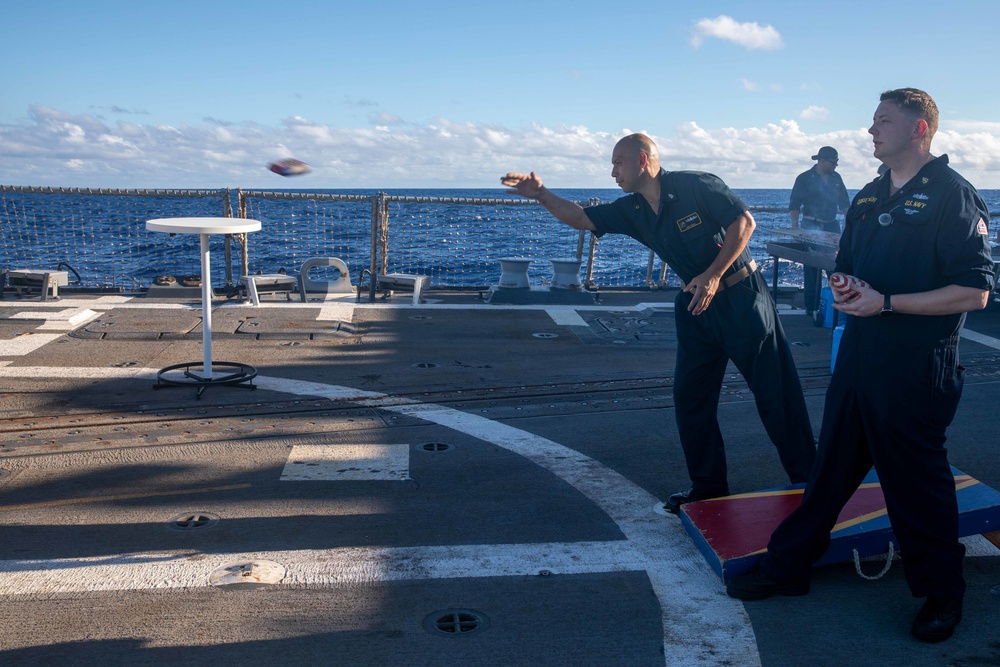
<point x="203" y="225"/>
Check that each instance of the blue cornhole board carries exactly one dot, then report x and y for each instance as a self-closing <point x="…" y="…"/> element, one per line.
<point x="732" y="532"/>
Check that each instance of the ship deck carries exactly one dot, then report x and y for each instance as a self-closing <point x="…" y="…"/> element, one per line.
<point x="396" y="468"/>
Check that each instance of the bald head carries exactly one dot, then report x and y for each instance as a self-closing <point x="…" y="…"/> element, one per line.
<point x="635" y="164"/>
<point x="636" y="144"/>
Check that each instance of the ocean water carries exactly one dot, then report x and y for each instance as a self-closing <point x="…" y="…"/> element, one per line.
<point x="102" y="238"/>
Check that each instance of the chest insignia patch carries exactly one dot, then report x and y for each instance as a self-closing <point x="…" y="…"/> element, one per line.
<point x="983" y="228"/>
<point x="689" y="221"/>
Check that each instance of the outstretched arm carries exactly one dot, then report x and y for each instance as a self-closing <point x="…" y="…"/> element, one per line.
<point x="530" y="186"/>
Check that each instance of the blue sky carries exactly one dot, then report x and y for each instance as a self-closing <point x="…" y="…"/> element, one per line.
<point x="447" y="94"/>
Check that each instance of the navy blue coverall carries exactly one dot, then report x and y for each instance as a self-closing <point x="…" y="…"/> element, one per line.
<point x="897" y="381"/>
<point x="819" y="197"/>
<point x="740" y="324"/>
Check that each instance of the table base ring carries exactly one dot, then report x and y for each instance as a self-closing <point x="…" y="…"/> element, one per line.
<point x="185" y="376"/>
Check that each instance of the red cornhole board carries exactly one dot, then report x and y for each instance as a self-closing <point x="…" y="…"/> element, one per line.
<point x="732" y="532"/>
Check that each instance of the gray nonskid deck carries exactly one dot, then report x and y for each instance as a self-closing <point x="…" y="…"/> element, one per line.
<point x="405" y="465"/>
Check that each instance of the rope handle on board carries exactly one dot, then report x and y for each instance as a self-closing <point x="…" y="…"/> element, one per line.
<point x="885" y="568"/>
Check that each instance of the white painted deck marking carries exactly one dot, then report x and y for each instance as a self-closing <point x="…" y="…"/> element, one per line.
<point x="653" y="306"/>
<point x="695" y="611"/>
<point x="69" y="319"/>
<point x="566" y="316"/>
<point x="982" y="339"/>
<point x="343" y="312"/>
<point x="35" y="315"/>
<point x="694" y="608"/>
<point x="329" y="567"/>
<point x="26" y="344"/>
<point x="311" y="463"/>
<point x="84" y="302"/>
<point x="135" y="372"/>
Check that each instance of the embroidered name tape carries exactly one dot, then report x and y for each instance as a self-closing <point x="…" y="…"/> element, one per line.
<point x="689" y="222"/>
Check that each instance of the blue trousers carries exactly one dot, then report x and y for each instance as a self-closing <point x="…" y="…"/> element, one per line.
<point x="742" y="325"/>
<point x="811" y="276"/>
<point x="888" y="408"/>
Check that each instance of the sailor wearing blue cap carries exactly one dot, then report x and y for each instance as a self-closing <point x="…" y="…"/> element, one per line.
<point x="818" y="195"/>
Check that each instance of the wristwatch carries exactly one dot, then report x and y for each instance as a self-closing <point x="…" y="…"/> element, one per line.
<point x="886" y="306"/>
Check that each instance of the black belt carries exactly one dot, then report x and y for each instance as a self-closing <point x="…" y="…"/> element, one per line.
<point x="814" y="219"/>
<point x="736" y="277"/>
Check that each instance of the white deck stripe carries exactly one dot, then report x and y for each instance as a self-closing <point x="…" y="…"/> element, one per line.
<point x="695" y="612"/>
<point x="343" y="312"/>
<point x="694" y="608"/>
<point x="982" y="339"/>
<point x="566" y="316"/>
<point x="345" y="303"/>
<point x="78" y="372"/>
<point x="310" y="567"/>
<point x="26" y="344"/>
<point x="310" y="463"/>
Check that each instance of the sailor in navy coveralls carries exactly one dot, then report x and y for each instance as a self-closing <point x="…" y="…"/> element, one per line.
<point x="918" y="236"/>
<point x="816" y="196"/>
<point x="724" y="312"/>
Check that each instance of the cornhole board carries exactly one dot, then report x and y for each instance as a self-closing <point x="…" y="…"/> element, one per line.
<point x="732" y="532"/>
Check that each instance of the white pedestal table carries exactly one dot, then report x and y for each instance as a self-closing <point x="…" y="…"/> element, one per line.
<point x="187" y="374"/>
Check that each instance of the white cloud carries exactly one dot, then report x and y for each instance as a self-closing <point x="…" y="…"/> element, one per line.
<point x="751" y="35"/>
<point x="814" y="113"/>
<point x="60" y="149"/>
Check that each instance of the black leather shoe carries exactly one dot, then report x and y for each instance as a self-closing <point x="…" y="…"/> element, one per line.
<point x="755" y="585"/>
<point x="674" y="502"/>
<point x="937" y="619"/>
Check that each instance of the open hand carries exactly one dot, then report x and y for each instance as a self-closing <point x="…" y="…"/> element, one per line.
<point x="526" y="185"/>
<point x="703" y="288"/>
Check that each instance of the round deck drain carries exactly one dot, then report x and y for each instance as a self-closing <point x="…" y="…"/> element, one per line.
<point x="435" y="447"/>
<point x="193" y="521"/>
<point x="456" y="622"/>
<point x="255" y="574"/>
<point x="545" y="335"/>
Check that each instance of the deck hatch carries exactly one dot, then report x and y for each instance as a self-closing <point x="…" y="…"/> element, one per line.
<point x="193" y="521"/>
<point x="456" y="622"/>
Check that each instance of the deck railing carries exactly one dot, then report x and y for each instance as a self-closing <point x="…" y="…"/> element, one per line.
<point x="100" y="234"/>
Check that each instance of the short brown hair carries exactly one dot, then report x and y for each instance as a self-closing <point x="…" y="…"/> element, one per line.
<point x="916" y="102"/>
